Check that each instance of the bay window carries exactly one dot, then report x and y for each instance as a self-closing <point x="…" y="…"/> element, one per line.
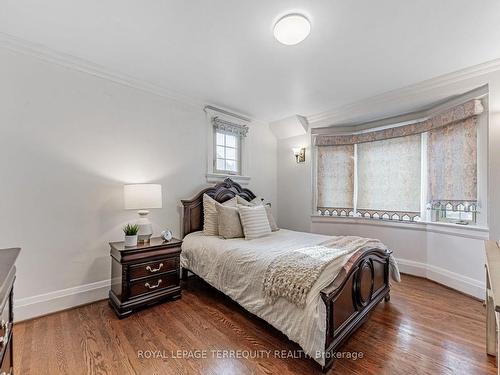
<point x="423" y="171"/>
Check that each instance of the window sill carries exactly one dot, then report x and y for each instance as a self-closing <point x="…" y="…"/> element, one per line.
<point x="469" y="231"/>
<point x="219" y="177"/>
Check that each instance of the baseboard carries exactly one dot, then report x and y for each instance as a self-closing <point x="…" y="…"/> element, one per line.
<point x="411" y="267"/>
<point x="464" y="284"/>
<point x="43" y="304"/>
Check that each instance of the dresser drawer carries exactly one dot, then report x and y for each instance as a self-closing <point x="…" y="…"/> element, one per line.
<point x="137" y="271"/>
<point x="5" y="330"/>
<point x="5" y="313"/>
<point x="154" y="284"/>
<point x="6" y="364"/>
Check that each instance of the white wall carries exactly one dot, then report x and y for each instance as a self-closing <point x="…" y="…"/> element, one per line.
<point x="68" y="142"/>
<point x="294" y="185"/>
<point x="451" y="259"/>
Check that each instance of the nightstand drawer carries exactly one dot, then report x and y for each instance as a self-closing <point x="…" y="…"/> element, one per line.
<point x="153" y="268"/>
<point x="154" y="284"/>
<point x="144" y="275"/>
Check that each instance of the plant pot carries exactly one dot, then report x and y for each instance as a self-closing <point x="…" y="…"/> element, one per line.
<point x="131" y="241"/>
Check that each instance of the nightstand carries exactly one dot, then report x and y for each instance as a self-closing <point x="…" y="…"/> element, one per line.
<point x="144" y="275"/>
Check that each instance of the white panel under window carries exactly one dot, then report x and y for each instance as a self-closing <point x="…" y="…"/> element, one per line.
<point x="389" y="174"/>
<point x="335" y="178"/>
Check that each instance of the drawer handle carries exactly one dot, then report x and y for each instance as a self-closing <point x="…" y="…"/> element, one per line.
<point x="4" y="338"/>
<point x="153" y="270"/>
<point x="149" y="286"/>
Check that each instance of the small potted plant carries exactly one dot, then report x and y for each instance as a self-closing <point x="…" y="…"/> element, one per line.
<point x="130" y="231"/>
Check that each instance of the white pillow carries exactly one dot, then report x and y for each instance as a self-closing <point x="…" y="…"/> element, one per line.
<point x="210" y="216"/>
<point x="254" y="221"/>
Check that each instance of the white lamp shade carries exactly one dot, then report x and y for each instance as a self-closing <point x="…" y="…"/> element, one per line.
<point x="142" y="196"/>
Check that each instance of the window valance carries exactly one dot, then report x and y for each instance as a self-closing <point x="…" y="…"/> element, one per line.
<point x="231" y="127"/>
<point x="453" y="115"/>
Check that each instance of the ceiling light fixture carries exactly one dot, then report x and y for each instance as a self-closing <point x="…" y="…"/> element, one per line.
<point x="292" y="29"/>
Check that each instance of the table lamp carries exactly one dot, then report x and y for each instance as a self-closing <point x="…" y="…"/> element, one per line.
<point x="142" y="197"/>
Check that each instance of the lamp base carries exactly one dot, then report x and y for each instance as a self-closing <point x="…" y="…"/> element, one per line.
<point x="145" y="227"/>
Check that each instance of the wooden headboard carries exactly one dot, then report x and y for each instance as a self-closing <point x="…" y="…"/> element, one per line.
<point x="193" y="208"/>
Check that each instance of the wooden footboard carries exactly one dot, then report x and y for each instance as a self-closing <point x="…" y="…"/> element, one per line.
<point x="357" y="289"/>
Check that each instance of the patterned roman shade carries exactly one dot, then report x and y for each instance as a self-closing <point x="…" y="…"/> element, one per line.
<point x="452" y="162"/>
<point x="389" y="175"/>
<point x="335" y="178"/>
<point x="230" y="127"/>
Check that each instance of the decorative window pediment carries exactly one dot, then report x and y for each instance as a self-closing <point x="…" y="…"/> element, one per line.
<point x="230" y="127"/>
<point x="227" y="151"/>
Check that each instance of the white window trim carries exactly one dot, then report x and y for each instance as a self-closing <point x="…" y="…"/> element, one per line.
<point x="212" y="176"/>
<point x="239" y="141"/>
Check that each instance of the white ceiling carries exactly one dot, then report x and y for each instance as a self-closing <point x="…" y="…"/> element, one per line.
<point x="223" y="52"/>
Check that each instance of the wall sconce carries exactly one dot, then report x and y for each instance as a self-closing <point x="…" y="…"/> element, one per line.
<point x="300" y="154"/>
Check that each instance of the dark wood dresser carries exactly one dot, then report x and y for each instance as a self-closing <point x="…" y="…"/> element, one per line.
<point x="144" y="275"/>
<point x="7" y="275"/>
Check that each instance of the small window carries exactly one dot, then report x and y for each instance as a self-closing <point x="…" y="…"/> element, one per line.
<point x="227" y="152"/>
<point x="458" y="212"/>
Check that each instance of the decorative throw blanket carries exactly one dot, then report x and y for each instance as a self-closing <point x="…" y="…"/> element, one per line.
<point x="292" y="275"/>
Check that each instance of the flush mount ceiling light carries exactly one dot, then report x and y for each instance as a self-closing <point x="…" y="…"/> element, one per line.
<point x="292" y="29"/>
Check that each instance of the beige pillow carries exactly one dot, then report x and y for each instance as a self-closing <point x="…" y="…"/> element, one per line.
<point x="210" y="215"/>
<point x="229" y="222"/>
<point x="270" y="217"/>
<point x="243" y="201"/>
<point x="254" y="221"/>
<point x="258" y="202"/>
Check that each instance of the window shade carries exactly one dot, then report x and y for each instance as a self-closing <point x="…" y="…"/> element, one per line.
<point x="230" y="127"/>
<point x="335" y="176"/>
<point x="452" y="162"/>
<point x="389" y="174"/>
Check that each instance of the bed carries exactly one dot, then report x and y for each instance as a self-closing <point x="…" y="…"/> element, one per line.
<point x="338" y="303"/>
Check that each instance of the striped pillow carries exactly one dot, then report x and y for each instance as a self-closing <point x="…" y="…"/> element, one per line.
<point x="259" y="202"/>
<point x="254" y="221"/>
<point x="210" y="215"/>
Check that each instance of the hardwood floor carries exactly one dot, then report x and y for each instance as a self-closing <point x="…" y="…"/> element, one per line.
<point x="430" y="330"/>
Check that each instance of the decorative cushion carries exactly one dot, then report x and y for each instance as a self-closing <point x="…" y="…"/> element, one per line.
<point x="270" y="218"/>
<point x="243" y="201"/>
<point x="254" y="221"/>
<point x="229" y="222"/>
<point x="210" y="216"/>
<point x="259" y="202"/>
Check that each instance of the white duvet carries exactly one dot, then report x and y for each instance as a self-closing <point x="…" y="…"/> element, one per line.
<point x="237" y="268"/>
